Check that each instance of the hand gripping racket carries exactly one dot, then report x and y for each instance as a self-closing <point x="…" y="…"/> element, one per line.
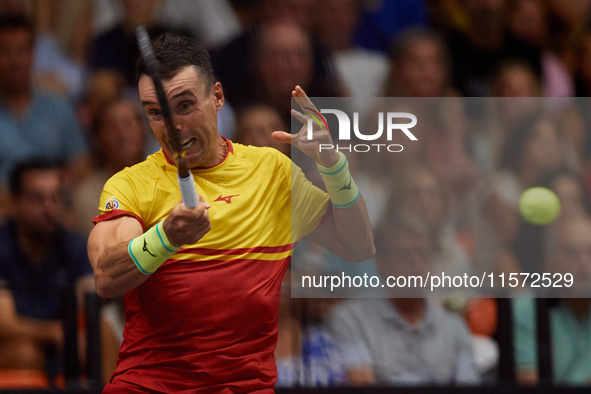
<point x="185" y="176"/>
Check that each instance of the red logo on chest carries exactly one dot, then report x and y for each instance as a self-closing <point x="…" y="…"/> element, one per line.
<point x="227" y="199"/>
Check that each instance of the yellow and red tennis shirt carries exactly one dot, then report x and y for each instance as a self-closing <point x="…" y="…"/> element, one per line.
<point x="206" y="320"/>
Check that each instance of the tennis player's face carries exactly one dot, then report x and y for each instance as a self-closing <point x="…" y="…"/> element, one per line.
<point x="194" y="107"/>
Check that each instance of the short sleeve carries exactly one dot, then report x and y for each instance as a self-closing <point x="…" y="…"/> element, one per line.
<point x="348" y="338"/>
<point x="309" y="204"/>
<point x="120" y="198"/>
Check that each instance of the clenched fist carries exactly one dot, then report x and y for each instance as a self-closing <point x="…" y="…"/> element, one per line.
<point x="186" y="226"/>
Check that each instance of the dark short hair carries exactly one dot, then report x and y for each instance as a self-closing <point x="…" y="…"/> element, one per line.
<point x="173" y="53"/>
<point x="16" y="21"/>
<point x="18" y="172"/>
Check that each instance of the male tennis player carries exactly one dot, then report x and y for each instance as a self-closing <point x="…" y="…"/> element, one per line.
<point x="202" y="284"/>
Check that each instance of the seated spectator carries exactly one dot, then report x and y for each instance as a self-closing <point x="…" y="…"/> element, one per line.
<point x="573" y="203"/>
<point x="570" y="318"/>
<point x="305" y="355"/>
<point x="477" y="53"/>
<point x="533" y="148"/>
<point x="213" y="22"/>
<point x="33" y="123"/>
<point x="515" y="79"/>
<point x="265" y="66"/>
<point x="516" y="83"/>
<point x="38" y="261"/>
<point x="402" y="341"/>
<point x="529" y="21"/>
<point x="117" y="48"/>
<point x="254" y="125"/>
<point x="119" y="140"/>
<point x="422" y="193"/>
<point x="420" y="66"/>
<point x="362" y="71"/>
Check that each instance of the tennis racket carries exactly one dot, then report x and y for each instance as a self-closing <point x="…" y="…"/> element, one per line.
<point x="185" y="176"/>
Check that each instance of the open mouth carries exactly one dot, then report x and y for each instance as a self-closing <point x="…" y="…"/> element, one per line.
<point x="188" y="143"/>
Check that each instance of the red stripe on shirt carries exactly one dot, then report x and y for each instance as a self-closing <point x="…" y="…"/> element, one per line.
<point x="117" y="213"/>
<point x="288" y="258"/>
<point x="238" y="251"/>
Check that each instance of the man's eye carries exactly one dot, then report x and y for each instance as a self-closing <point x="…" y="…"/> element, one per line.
<point x="154" y="112"/>
<point x="185" y="106"/>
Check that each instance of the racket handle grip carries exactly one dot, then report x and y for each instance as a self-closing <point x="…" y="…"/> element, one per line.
<point x="188" y="192"/>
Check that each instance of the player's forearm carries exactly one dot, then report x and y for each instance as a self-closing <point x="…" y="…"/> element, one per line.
<point x="116" y="273"/>
<point x="352" y="238"/>
<point x="348" y="233"/>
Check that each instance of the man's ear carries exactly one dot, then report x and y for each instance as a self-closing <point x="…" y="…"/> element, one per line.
<point x="218" y="94"/>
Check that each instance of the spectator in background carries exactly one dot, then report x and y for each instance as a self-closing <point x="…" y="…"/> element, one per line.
<point x="101" y="87"/>
<point x="528" y="21"/>
<point x="257" y="64"/>
<point x="305" y="354"/>
<point x="570" y="318"/>
<point x="283" y="58"/>
<point x="517" y="84"/>
<point x="213" y="22"/>
<point x="478" y="52"/>
<point x="361" y="71"/>
<point x="383" y="20"/>
<point x="420" y="192"/>
<point x="118" y="141"/>
<point x="402" y="341"/>
<point x="38" y="261"/>
<point x="54" y="68"/>
<point x="573" y="203"/>
<point x="300" y="12"/>
<point x="254" y="125"/>
<point x="574" y="198"/>
<point x="33" y="123"/>
<point x="420" y="66"/>
<point x="515" y="78"/>
<point x="117" y="48"/>
<point x="532" y="149"/>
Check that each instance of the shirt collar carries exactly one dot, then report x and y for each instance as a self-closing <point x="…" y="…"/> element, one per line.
<point x="391" y="314"/>
<point x="228" y="151"/>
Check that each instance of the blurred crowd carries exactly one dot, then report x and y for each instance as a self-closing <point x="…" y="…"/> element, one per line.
<point x="70" y="118"/>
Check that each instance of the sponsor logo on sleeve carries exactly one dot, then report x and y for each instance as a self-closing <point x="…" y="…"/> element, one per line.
<point x="111" y="203"/>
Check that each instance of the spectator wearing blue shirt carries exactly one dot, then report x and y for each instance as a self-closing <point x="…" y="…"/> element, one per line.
<point x="305" y="355"/>
<point x="33" y="123"/>
<point x="38" y="261"/>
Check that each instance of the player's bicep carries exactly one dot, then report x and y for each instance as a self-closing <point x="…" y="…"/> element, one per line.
<point x="109" y="233"/>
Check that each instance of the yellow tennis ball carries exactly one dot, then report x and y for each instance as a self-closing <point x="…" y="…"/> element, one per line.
<point x="539" y="205"/>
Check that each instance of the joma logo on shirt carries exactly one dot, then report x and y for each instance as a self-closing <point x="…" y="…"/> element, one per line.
<point x="227" y="199"/>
